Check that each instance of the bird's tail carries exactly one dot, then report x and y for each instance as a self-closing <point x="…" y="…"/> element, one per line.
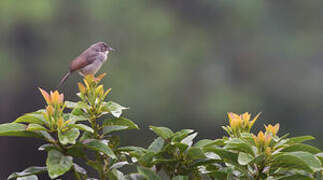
<point x="63" y="79"/>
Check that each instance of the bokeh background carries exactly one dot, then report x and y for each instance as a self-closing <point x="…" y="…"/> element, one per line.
<point x="179" y="63"/>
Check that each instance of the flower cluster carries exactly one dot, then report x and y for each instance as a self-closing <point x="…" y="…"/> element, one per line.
<point x="239" y="123"/>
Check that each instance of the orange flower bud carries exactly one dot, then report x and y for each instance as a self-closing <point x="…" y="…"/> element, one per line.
<point x="100" y="77"/>
<point x="45" y="95"/>
<point x="81" y="88"/>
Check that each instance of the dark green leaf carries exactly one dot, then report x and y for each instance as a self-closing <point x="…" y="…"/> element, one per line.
<point x="120" y="122"/>
<point x="58" y="164"/>
<point x="148" y="173"/>
<point x="163" y="132"/>
<point x="239" y="145"/>
<point x="156" y="145"/>
<point x="27" y="172"/>
<point x="298" y="160"/>
<point x="300" y="139"/>
<point x="69" y="136"/>
<point x="195" y="153"/>
<point x="180" y="178"/>
<point x="296" y="177"/>
<point x="16" y="129"/>
<point x="203" y="142"/>
<point x="180" y="135"/>
<point x="99" y="146"/>
<point x="301" y="147"/>
<point x="146" y="160"/>
<point x="226" y="156"/>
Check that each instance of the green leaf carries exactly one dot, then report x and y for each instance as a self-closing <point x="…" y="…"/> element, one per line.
<point x="163" y="132"/>
<point x="226" y="156"/>
<point x="46" y="147"/>
<point x="35" y="118"/>
<point x="244" y="158"/>
<point x="46" y="136"/>
<point x="36" y="127"/>
<point x="298" y="160"/>
<point x="110" y="129"/>
<point x="148" y="173"/>
<point x="58" y="164"/>
<point x="180" y="178"/>
<point x="16" y="129"/>
<point x="239" y="145"/>
<point x="296" y="177"/>
<point x="300" y="139"/>
<point x="119" y="165"/>
<point x="301" y="147"/>
<point x="189" y="139"/>
<point x="131" y="148"/>
<point x="99" y="146"/>
<point x="27" y="172"/>
<point x="156" y="145"/>
<point x="76" y="150"/>
<point x="70" y="104"/>
<point x="195" y="153"/>
<point x="82" y="127"/>
<point x="79" y="169"/>
<point x="32" y="177"/>
<point x="74" y="118"/>
<point x="114" y="108"/>
<point x="203" y="142"/>
<point x="120" y="122"/>
<point x="146" y="160"/>
<point x="115" y="174"/>
<point x="180" y="135"/>
<point x="69" y="136"/>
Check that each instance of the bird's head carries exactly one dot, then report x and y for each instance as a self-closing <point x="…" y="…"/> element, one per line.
<point x="102" y="47"/>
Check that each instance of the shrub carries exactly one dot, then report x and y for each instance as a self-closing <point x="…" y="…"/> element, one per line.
<point x="80" y="135"/>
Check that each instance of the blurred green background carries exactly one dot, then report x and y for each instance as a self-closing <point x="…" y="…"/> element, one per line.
<point x="179" y="63"/>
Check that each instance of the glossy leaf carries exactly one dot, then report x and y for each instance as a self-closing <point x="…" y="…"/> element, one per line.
<point x="163" y="132"/>
<point x="189" y="139"/>
<point x="114" y="108"/>
<point x="58" y="164"/>
<point x="35" y="118"/>
<point x="79" y="169"/>
<point x="16" y="129"/>
<point x="180" y="135"/>
<point x="99" y="146"/>
<point x="113" y="128"/>
<point x="115" y="174"/>
<point x="300" y="139"/>
<point x="301" y="147"/>
<point x="27" y="172"/>
<point x="296" y="177"/>
<point x="120" y="122"/>
<point x="82" y="127"/>
<point x="36" y="127"/>
<point x="195" y="153"/>
<point x="244" y="158"/>
<point x="156" y="145"/>
<point x="69" y="136"/>
<point x="32" y="177"/>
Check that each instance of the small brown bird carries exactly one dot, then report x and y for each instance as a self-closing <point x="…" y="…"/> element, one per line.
<point x="90" y="61"/>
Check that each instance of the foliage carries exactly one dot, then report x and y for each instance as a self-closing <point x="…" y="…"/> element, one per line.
<point x="81" y="134"/>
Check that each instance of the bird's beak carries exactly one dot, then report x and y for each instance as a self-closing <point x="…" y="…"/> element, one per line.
<point x="111" y="49"/>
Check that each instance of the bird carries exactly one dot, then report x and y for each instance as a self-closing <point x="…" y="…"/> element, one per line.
<point x="89" y="61"/>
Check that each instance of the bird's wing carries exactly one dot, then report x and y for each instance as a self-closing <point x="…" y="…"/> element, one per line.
<point x="83" y="60"/>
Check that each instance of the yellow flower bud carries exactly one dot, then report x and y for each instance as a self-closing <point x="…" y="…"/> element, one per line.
<point x="272" y="129"/>
<point x="60" y="123"/>
<point x="100" y="77"/>
<point x="81" y="88"/>
<point x="50" y="110"/>
<point x="45" y="95"/>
